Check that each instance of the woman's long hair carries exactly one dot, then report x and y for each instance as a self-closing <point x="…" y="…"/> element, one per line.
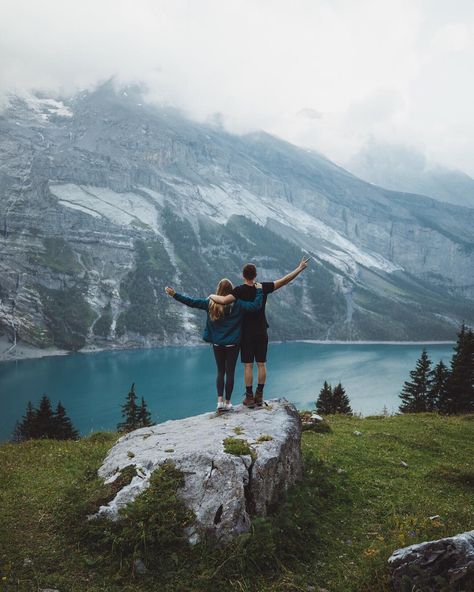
<point x="217" y="311"/>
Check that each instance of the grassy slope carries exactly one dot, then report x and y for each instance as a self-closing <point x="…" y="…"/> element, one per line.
<point x="372" y="505"/>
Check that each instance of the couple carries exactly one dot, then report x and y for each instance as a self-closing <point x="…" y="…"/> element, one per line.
<point x="236" y="321"/>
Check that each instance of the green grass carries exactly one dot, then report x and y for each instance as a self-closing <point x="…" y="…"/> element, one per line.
<point x="335" y="530"/>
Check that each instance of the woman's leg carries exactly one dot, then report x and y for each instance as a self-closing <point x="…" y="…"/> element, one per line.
<point x="220" y="356"/>
<point x="231" y="359"/>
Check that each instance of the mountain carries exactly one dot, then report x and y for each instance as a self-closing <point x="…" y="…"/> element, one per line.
<point x="105" y="199"/>
<point x="404" y="169"/>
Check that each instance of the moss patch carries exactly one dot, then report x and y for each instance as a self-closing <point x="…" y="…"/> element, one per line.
<point x="264" y="438"/>
<point x="237" y="446"/>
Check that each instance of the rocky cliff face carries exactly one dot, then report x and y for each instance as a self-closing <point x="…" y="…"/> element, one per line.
<point x="105" y="199"/>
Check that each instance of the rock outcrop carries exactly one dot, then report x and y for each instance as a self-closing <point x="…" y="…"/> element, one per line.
<point x="445" y="564"/>
<point x="222" y="488"/>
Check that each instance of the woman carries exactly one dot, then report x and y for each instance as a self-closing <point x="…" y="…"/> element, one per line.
<point x="223" y="331"/>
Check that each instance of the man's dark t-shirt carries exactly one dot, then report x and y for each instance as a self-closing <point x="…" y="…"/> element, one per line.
<point x="254" y="323"/>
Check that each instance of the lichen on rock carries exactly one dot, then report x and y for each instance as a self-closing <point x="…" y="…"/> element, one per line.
<point x="444" y="564"/>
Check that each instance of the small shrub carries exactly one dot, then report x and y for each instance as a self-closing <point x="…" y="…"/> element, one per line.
<point x="264" y="438"/>
<point x="312" y="425"/>
<point x="102" y="437"/>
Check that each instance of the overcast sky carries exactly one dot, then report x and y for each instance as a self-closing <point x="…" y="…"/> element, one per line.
<point x="327" y="74"/>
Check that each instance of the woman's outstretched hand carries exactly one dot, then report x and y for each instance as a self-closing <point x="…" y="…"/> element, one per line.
<point x="258" y="285"/>
<point x="170" y="291"/>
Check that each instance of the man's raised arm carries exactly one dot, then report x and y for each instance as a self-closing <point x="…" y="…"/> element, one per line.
<point x="291" y="276"/>
<point x="222" y="299"/>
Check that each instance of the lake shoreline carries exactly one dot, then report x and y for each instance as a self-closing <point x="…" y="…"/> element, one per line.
<point x="179" y="382"/>
<point x="24" y="351"/>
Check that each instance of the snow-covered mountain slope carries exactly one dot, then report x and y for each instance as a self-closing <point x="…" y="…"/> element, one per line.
<point x="105" y="199"/>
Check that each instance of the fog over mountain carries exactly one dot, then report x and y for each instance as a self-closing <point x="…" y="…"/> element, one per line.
<point x="326" y="75"/>
<point x="104" y="199"/>
<point x="403" y="168"/>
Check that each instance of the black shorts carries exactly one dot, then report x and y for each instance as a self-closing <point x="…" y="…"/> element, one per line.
<point x="254" y="349"/>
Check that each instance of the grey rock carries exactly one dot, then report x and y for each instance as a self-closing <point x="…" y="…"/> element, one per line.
<point x="444" y="563"/>
<point x="223" y="490"/>
<point x="357" y="433"/>
<point x="404" y="464"/>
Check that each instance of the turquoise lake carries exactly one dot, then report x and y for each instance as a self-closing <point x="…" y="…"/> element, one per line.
<point x="179" y="381"/>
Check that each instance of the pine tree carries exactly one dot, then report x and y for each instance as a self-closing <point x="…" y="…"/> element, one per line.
<point x="340" y="401"/>
<point x="26" y="429"/>
<point x="130" y="412"/>
<point x="44" y="423"/>
<point x="415" y="392"/>
<point x="459" y="397"/>
<point x="63" y="428"/>
<point x="437" y="392"/>
<point x="325" y="399"/>
<point x="144" y="416"/>
<point x="44" y="419"/>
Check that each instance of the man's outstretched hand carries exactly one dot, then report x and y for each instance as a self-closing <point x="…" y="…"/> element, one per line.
<point x="303" y="263"/>
<point x="170" y="291"/>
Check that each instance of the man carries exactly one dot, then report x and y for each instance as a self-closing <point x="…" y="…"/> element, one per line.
<point x="254" y="341"/>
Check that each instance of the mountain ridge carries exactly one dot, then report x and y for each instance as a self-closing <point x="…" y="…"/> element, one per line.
<point x="103" y="195"/>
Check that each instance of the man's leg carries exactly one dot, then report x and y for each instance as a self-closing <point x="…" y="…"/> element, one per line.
<point x="261" y="358"/>
<point x="262" y="373"/>
<point x="248" y="377"/>
<point x="247" y="356"/>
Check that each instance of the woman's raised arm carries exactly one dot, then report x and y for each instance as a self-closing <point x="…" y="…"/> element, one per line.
<point x="202" y="303"/>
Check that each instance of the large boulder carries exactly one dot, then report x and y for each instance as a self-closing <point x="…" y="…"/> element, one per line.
<point x="223" y="488"/>
<point x="445" y="564"/>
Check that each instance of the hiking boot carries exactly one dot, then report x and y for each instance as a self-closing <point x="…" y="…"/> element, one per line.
<point x="258" y="398"/>
<point x="249" y="401"/>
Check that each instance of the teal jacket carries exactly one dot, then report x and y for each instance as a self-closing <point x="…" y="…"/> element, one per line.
<point x="225" y="331"/>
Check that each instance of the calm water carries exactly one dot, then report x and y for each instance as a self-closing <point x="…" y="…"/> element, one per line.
<point x="177" y="382"/>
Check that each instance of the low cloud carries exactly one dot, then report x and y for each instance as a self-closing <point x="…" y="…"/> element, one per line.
<point x="326" y="74"/>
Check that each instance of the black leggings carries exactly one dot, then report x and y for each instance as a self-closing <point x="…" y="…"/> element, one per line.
<point x="226" y="358"/>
